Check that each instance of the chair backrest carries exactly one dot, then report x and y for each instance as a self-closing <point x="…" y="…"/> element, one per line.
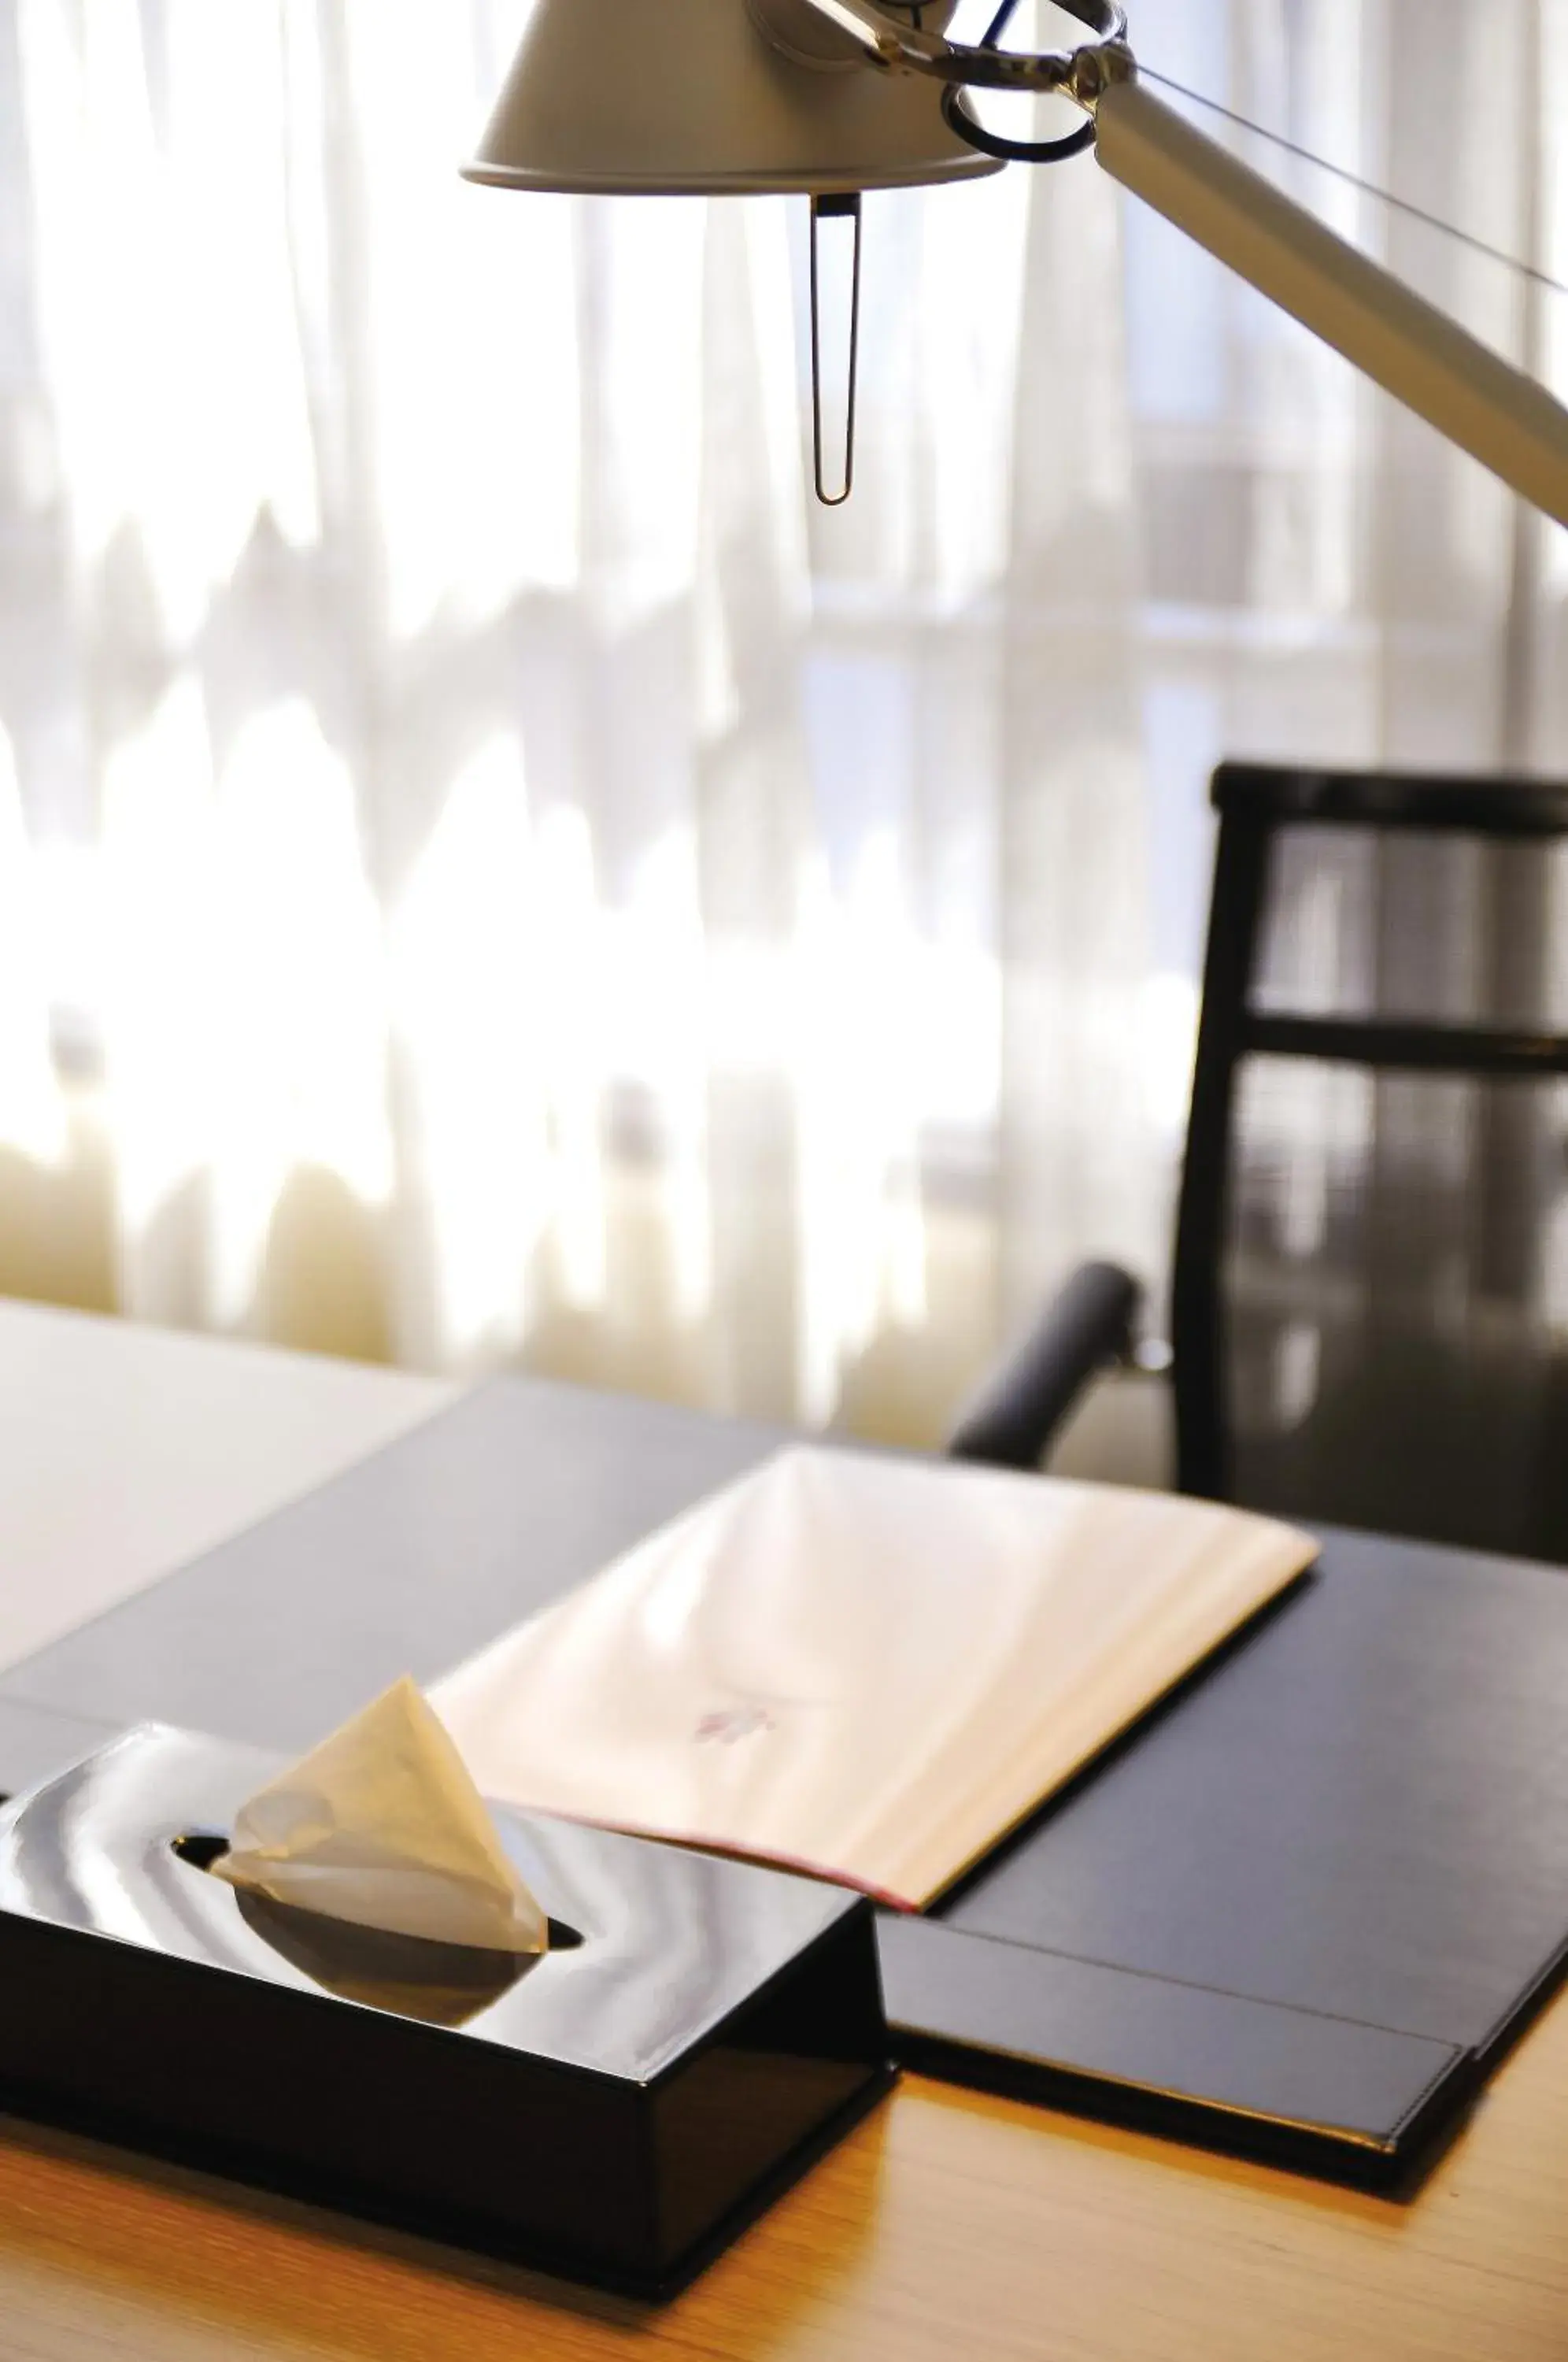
<point x="1370" y="1298"/>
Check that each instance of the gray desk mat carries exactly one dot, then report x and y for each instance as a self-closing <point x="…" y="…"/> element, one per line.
<point x="404" y="1563"/>
<point x="1299" y="1913"/>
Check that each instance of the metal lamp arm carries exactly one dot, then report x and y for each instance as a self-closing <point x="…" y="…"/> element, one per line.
<point x="899" y="45"/>
<point x="1480" y="402"/>
<point x="1404" y="344"/>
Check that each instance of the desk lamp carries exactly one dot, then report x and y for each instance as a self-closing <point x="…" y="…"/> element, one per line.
<point x="831" y="97"/>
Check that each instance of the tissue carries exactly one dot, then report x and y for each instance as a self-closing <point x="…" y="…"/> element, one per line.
<point x="381" y="1826"/>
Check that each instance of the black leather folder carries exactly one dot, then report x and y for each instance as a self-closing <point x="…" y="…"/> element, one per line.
<point x="1300" y="1911"/>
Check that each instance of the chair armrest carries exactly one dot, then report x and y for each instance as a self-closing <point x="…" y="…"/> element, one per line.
<point x="1011" y="1422"/>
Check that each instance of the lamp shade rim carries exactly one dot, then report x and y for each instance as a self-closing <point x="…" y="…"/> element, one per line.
<point x="971" y="167"/>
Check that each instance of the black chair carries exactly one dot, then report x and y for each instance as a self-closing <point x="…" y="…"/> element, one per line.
<point x="1369" y="1306"/>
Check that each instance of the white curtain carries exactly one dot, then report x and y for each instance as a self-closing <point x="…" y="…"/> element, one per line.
<point x="489" y="873"/>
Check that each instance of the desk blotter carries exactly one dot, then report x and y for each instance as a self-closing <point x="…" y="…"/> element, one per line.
<point x="1353" y="1829"/>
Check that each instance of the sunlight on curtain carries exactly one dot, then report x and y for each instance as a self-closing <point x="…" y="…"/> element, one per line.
<point x="162" y="289"/>
<point x="295" y="989"/>
<point x="514" y="882"/>
<point x="460" y="319"/>
<point x="242" y="1022"/>
<point x="495" y="978"/>
<point x="32" y="1117"/>
<point x="161" y="1040"/>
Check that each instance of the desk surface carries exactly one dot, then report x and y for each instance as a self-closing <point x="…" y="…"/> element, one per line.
<point x="130" y="1449"/>
<point x="947" y="2223"/>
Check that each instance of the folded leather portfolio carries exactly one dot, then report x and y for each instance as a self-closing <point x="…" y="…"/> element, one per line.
<point x="1298" y="1908"/>
<point x="864" y="1667"/>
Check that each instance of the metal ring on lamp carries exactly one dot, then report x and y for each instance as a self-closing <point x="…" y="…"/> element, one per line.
<point x="962" y="121"/>
<point x="958" y="117"/>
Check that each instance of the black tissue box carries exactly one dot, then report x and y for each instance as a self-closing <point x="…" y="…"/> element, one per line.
<point x="699" y="2029"/>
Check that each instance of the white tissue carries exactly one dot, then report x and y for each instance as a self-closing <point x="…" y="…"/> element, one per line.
<point x="381" y="1824"/>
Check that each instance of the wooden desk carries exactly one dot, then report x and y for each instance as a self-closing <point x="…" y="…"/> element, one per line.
<point x="129" y="1450"/>
<point x="947" y="2223"/>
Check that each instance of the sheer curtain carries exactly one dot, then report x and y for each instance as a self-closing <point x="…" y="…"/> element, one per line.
<point x="487" y="874"/>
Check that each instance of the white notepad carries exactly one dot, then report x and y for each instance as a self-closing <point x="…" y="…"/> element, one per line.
<point x="866" y="1667"/>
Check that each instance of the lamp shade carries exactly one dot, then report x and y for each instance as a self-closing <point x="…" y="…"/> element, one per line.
<point x="690" y="98"/>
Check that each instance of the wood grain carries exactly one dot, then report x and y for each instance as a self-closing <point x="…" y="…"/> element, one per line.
<point x="947" y="2223"/>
